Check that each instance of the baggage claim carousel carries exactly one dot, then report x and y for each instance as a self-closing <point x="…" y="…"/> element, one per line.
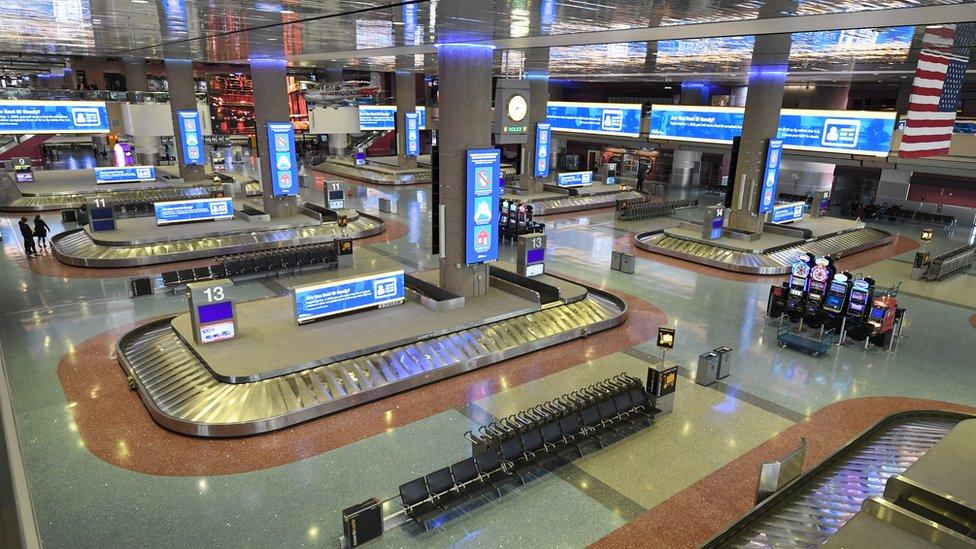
<point x="191" y="394"/>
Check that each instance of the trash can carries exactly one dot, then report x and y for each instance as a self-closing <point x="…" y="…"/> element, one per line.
<point x="724" y="361"/>
<point x="707" y="371"/>
<point x="627" y="263"/>
<point x="615" y="260"/>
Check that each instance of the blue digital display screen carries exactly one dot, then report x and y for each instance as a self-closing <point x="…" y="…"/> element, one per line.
<point x="834" y="301"/>
<point x="618" y="119"/>
<point x="332" y="298"/>
<point x="412" y="141"/>
<point x="200" y="209"/>
<point x="877" y="313"/>
<point x="127" y="174"/>
<point x="53" y="117"/>
<point x="383" y="117"/>
<point x="774" y="154"/>
<point x="483" y="191"/>
<point x="535" y="255"/>
<point x="543" y="138"/>
<point x="99" y="225"/>
<point x="284" y="168"/>
<point x="853" y="132"/>
<point x="192" y="137"/>
<point x="788" y="212"/>
<point x="214" y="312"/>
<point x="574" y="179"/>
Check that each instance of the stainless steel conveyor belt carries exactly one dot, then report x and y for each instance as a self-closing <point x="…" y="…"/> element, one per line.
<point x="77" y="247"/>
<point x="581" y="202"/>
<point x="182" y="394"/>
<point x="774" y="262"/>
<point x="812" y="508"/>
<point x="53" y="201"/>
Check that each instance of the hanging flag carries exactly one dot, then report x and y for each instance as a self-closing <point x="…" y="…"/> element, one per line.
<point x="932" y="106"/>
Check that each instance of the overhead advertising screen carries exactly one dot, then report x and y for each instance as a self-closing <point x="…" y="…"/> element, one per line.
<point x="785" y="213"/>
<point x="191" y="137"/>
<point x="284" y="168"/>
<point x="412" y="123"/>
<point x="320" y="301"/>
<point x="483" y="169"/>
<point x="128" y="174"/>
<point x="23" y="169"/>
<point x="53" y="117"/>
<point x="383" y="117"/>
<point x="199" y="209"/>
<point x="620" y="119"/>
<point x="574" y="179"/>
<point x="774" y="155"/>
<point x="543" y="138"/>
<point x="852" y="132"/>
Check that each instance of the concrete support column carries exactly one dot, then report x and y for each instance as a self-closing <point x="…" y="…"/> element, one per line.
<point x="270" y="105"/>
<point x="337" y="141"/>
<point x="465" y="123"/>
<point x="56" y="79"/>
<point x="684" y="167"/>
<point x="893" y="186"/>
<point x="146" y="149"/>
<point x="136" y="76"/>
<point x="182" y="97"/>
<point x="800" y="177"/>
<point x="738" y="96"/>
<point x="405" y="92"/>
<point x="70" y="78"/>
<point x="694" y="93"/>
<point x="537" y="59"/>
<point x="767" y="78"/>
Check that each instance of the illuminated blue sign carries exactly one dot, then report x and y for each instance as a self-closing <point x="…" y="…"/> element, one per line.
<point x="785" y="213"/>
<point x="284" y="167"/>
<point x="199" y="209"/>
<point x="595" y="118"/>
<point x="412" y="138"/>
<point x="192" y="137"/>
<point x="481" y="233"/>
<point x="774" y="155"/>
<point x="53" y="117"/>
<point x="574" y="179"/>
<point x="342" y="296"/>
<point x="125" y="175"/>
<point x="852" y="132"/>
<point x="374" y="118"/>
<point x="543" y="138"/>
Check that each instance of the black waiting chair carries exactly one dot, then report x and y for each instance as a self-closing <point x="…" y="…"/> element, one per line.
<point x="202" y="273"/>
<point x="441" y="485"/>
<point x="469" y="481"/>
<point x="171" y="278"/>
<point x="490" y="467"/>
<point x="218" y="270"/>
<point x="555" y="442"/>
<point x="417" y="501"/>
<point x="186" y="275"/>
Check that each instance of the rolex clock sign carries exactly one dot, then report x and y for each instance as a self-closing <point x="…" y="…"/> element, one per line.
<point x="511" y="112"/>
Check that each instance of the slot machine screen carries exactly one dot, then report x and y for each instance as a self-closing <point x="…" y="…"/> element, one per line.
<point x="834" y="302"/>
<point x="857" y="301"/>
<point x="877" y="314"/>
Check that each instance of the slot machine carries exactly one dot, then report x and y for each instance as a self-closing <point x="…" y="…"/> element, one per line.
<point x="798" y="285"/>
<point x="837" y="291"/>
<point x="820" y="276"/>
<point x="503" y="213"/>
<point x="881" y="320"/>
<point x="859" y="298"/>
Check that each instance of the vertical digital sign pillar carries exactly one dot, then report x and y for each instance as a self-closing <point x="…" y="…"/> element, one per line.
<point x="212" y="313"/>
<point x="412" y="138"/>
<point x="284" y="168"/>
<point x="543" y="140"/>
<point x="483" y="168"/>
<point x="191" y="138"/>
<point x="774" y="155"/>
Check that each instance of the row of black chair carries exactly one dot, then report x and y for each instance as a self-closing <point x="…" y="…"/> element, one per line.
<point x="531" y="450"/>
<point x="904" y="215"/>
<point x="256" y="262"/>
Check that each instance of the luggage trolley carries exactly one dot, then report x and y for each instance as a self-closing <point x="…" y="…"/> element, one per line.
<point x="813" y="341"/>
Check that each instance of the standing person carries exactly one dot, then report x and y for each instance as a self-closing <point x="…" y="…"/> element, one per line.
<point x="28" y="235"/>
<point x="40" y="231"/>
<point x="641" y="174"/>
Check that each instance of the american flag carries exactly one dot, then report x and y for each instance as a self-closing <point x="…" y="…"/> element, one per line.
<point x="932" y="106"/>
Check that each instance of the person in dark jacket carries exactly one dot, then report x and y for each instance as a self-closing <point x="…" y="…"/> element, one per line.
<point x="28" y="235"/>
<point x="642" y="169"/>
<point x="40" y="231"/>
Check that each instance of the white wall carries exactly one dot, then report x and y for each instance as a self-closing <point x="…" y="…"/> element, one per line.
<point x="331" y="120"/>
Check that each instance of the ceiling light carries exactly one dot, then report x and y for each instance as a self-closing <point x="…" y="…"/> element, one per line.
<point x="140" y="1"/>
<point x="286" y="11"/>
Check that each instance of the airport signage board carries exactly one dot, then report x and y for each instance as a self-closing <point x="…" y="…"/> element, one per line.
<point x="483" y="191"/>
<point x="412" y="138"/>
<point x="128" y="174"/>
<point x="374" y="118"/>
<point x="617" y="119"/>
<point x="574" y="179"/>
<point x="320" y="301"/>
<point x="543" y="142"/>
<point x="852" y="132"/>
<point x="18" y="117"/>
<point x="284" y="166"/>
<point x="774" y="155"/>
<point x="23" y="169"/>
<point x="192" y="137"/>
<point x="198" y="209"/>
<point x="786" y="213"/>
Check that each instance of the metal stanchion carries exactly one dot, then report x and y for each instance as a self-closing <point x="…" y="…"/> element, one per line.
<point x="843" y="331"/>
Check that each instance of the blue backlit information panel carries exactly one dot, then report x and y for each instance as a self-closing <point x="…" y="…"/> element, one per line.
<point x="412" y="124"/>
<point x="574" y="179"/>
<point x="785" y="213"/>
<point x="284" y="168"/>
<point x="620" y="119"/>
<point x="199" y="209"/>
<point x="53" y="117"/>
<point x="854" y="132"/>
<point x="342" y="296"/>
<point x="374" y="118"/>
<point x="483" y="170"/>
<point x="543" y="138"/>
<point x="774" y="155"/>
<point x="128" y="174"/>
<point x="192" y="138"/>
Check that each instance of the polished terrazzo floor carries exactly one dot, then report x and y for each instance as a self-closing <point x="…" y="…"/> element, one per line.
<point x="84" y="498"/>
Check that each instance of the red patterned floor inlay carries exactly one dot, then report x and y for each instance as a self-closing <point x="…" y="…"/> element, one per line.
<point x="110" y="417"/>
<point x="694" y="515"/>
<point x="972" y="320"/>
